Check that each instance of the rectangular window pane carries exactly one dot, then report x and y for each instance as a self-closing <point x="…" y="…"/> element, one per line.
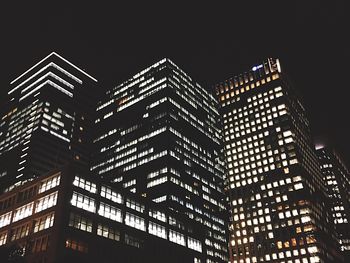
<point x="23" y="212"/>
<point x="46" y="202"/>
<point x="80" y="222"/>
<point x="135" y="221"/>
<point x="49" y="183"/>
<point x="82" y="201"/>
<point x="110" y="212"/>
<point x="108" y="232"/>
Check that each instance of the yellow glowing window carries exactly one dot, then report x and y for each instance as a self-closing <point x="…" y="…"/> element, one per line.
<point x="308" y="228"/>
<point x="279" y="245"/>
<point x="275" y="76"/>
<point x="310" y="240"/>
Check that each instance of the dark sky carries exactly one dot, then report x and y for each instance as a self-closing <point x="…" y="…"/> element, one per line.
<point x="210" y="41"/>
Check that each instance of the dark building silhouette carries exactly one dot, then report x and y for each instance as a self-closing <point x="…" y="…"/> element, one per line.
<point x="65" y="216"/>
<point x="275" y="187"/>
<point x="45" y="121"/>
<point x="336" y="177"/>
<point x="158" y="137"/>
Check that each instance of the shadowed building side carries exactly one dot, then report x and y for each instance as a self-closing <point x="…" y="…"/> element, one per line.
<point x="336" y="177"/>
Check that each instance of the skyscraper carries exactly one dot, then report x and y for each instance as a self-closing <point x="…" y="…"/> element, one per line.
<point x="46" y="120"/>
<point x="159" y="138"/>
<point x="337" y="179"/>
<point x="274" y="183"/>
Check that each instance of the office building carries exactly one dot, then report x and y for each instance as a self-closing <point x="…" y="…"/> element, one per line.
<point x="65" y="216"/>
<point x="45" y="121"/>
<point x="159" y="138"/>
<point x="337" y="179"/>
<point x="274" y="183"/>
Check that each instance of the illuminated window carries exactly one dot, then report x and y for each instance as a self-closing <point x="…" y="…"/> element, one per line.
<point x="308" y="228"/>
<point x="83" y="201"/>
<point x="157" y="181"/>
<point x="135" y="221"/>
<point x="19" y="232"/>
<point x="110" y="212"/>
<point x="110" y="194"/>
<point x="298" y="186"/>
<point x="135" y="205"/>
<point x="108" y="232"/>
<point x="23" y="212"/>
<point x="3" y="238"/>
<point x="43" y="222"/>
<point x="46" y="202"/>
<point x="49" y="183"/>
<point x="80" y="222"/>
<point x="84" y="184"/>
<point x="157" y="214"/>
<point x="177" y="238"/>
<point x="194" y="244"/>
<point x="5" y="219"/>
<point x="157" y="230"/>
<point x="279" y="244"/>
<point x="310" y="240"/>
<point x="305" y="219"/>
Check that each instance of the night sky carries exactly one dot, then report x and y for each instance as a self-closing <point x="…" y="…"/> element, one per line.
<point x="211" y="42"/>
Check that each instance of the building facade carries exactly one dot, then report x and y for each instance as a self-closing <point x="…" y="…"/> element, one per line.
<point x="159" y="138"/>
<point x="337" y="179"/>
<point x="65" y="216"/>
<point x="274" y="183"/>
<point x="46" y="120"/>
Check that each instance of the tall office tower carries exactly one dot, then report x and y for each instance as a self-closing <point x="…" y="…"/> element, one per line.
<point x="160" y="139"/>
<point x="337" y="179"/>
<point x="45" y="122"/>
<point x="274" y="182"/>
